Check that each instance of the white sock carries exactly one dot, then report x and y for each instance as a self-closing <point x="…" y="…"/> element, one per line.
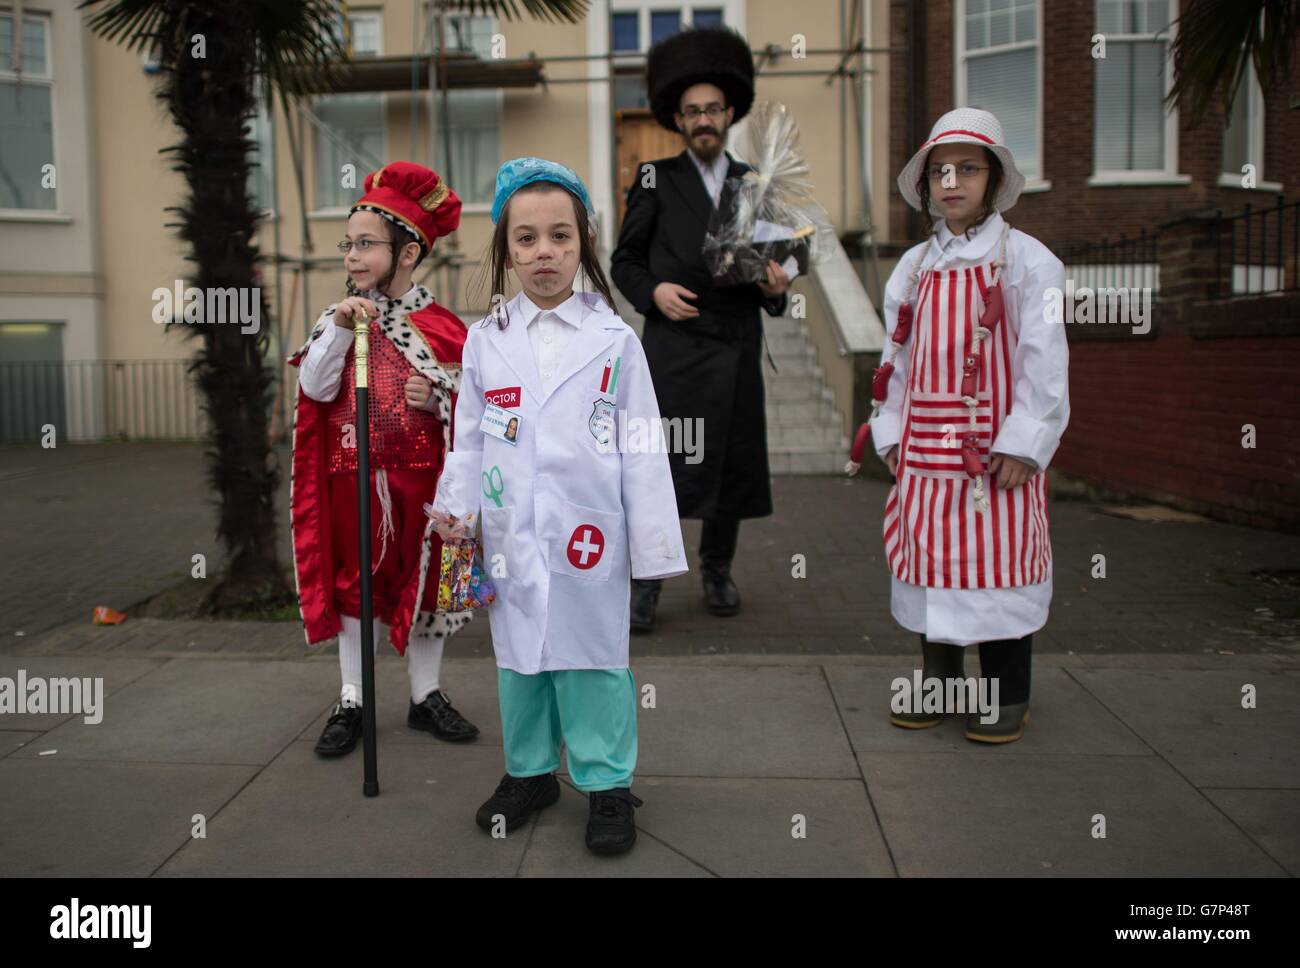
<point x="424" y="664"/>
<point x="350" y="657"/>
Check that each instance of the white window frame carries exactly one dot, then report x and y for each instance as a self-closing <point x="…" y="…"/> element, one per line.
<point x="1034" y="181"/>
<point x="55" y="214"/>
<point x="1251" y="88"/>
<point x="469" y="208"/>
<point x="367" y="13"/>
<point x="732" y="16"/>
<point x="1168" y="175"/>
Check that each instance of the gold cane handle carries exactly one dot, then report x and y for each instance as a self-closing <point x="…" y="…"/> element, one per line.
<point x="361" y="332"/>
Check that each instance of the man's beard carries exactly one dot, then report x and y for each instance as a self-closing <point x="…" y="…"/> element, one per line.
<point x="709" y="152"/>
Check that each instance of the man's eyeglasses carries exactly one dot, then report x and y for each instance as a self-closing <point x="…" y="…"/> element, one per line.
<point x="964" y="172"/>
<point x="363" y="245"/>
<point x="714" y="111"/>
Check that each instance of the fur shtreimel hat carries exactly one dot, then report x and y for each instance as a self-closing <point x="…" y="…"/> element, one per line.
<point x="707" y="55"/>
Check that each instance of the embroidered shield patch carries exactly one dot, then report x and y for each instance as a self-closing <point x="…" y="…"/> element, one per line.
<point x="601" y="422"/>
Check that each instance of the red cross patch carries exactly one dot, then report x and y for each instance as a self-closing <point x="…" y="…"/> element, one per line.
<point x="586" y="545"/>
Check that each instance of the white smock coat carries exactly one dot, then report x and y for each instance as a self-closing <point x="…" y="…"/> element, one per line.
<point x="577" y="519"/>
<point x="1040" y="410"/>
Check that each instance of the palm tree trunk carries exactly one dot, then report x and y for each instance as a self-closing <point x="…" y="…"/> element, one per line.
<point x="211" y="96"/>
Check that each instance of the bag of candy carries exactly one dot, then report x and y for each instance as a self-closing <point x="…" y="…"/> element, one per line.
<point x="462" y="583"/>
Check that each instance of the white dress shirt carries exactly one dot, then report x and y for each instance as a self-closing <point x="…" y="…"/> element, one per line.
<point x="1032" y="430"/>
<point x="550" y="331"/>
<point x="714" y="173"/>
<point x="320" y="374"/>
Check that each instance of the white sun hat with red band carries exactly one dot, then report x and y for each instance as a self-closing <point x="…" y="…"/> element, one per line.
<point x="966" y="126"/>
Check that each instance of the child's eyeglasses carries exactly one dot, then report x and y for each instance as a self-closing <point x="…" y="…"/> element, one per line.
<point x="963" y="171"/>
<point x="363" y="245"/>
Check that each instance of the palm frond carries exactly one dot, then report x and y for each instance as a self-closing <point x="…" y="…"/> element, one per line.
<point x="133" y="23"/>
<point x="1214" y="43"/>
<point x="567" y="11"/>
<point x="297" y="45"/>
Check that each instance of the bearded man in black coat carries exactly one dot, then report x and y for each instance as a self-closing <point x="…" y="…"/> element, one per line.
<point x="703" y="342"/>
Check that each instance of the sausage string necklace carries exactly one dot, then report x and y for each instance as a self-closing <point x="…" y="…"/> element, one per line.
<point x="994" y="309"/>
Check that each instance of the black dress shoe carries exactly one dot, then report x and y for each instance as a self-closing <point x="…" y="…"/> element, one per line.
<point x="516" y="798"/>
<point x="437" y="715"/>
<point x="611" y="827"/>
<point x="341" y="732"/>
<point x="645" y="596"/>
<point x="721" y="597"/>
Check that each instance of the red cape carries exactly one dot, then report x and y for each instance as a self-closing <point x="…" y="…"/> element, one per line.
<point x="432" y="339"/>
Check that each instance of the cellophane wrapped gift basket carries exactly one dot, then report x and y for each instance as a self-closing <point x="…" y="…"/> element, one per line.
<point x="775" y="215"/>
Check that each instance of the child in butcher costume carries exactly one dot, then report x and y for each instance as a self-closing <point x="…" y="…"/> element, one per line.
<point x="559" y="441"/>
<point x="414" y="372"/>
<point x="972" y="401"/>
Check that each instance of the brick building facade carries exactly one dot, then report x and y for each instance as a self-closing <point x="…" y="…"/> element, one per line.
<point x="1167" y="415"/>
<point x="1073" y="210"/>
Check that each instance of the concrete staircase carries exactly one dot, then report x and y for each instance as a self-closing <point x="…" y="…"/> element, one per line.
<point x="805" y="429"/>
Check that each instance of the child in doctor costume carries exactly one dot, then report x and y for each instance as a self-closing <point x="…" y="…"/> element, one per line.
<point x="560" y="450"/>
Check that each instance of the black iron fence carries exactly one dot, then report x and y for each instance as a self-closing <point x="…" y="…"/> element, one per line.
<point x="88" y="400"/>
<point x="1256" y="251"/>
<point x="1127" y="262"/>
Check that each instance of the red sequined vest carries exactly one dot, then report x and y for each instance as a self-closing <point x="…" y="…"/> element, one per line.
<point x="401" y="437"/>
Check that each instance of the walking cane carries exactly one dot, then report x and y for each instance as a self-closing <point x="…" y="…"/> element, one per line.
<point x="361" y="329"/>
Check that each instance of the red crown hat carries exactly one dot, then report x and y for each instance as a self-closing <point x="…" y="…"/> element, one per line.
<point x="416" y="197"/>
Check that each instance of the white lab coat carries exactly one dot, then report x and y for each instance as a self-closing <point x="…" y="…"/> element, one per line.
<point x="562" y="498"/>
<point x="1031" y="432"/>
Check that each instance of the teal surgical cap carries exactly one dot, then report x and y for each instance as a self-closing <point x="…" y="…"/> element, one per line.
<point x="518" y="172"/>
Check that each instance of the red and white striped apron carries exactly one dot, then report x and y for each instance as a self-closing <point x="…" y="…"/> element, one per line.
<point x="933" y="534"/>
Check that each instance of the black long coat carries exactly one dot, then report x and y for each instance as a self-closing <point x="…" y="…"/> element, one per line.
<point x="706" y="367"/>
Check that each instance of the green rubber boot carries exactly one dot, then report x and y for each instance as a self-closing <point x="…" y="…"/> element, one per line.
<point x="939" y="661"/>
<point x="1007" y="728"/>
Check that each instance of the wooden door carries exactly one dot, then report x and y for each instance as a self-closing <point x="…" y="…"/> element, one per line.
<point x="639" y="138"/>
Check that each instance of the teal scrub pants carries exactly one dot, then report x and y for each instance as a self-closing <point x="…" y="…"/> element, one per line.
<point x="593" y="711"/>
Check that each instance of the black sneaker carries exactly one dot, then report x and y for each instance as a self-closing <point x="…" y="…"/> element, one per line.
<point x="341" y="731"/>
<point x="611" y="828"/>
<point x="516" y="797"/>
<point x="437" y="715"/>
